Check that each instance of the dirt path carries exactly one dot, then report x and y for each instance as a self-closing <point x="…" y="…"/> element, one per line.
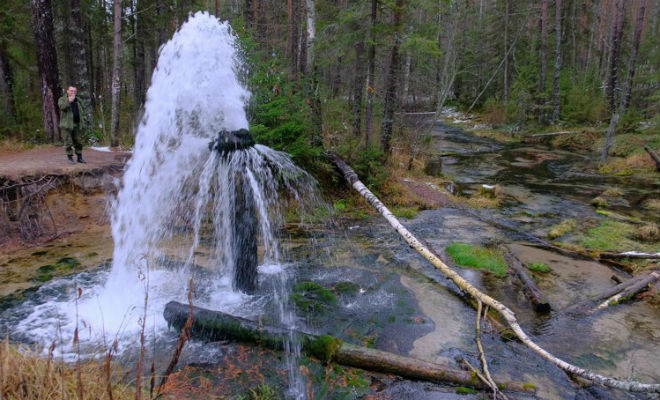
<point x="52" y="161"/>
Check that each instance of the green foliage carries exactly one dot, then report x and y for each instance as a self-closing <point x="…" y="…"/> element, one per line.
<point x="539" y="267"/>
<point x="468" y="255"/>
<point x="371" y="167"/>
<point x="278" y="111"/>
<point x="583" y="101"/>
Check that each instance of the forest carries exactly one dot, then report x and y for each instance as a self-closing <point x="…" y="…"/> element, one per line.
<point x="326" y="74"/>
<point x="330" y="199"/>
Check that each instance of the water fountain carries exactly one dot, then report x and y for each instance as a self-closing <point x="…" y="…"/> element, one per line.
<point x="198" y="198"/>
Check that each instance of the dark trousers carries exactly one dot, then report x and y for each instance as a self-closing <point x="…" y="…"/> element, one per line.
<point x="72" y="140"/>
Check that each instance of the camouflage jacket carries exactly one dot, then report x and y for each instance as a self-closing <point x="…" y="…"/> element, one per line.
<point x="66" y="114"/>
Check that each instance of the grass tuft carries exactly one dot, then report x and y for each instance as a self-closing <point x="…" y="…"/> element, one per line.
<point x="468" y="255"/>
<point x="562" y="228"/>
<point x="539" y="267"/>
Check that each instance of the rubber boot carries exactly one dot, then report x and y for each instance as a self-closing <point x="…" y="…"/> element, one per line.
<point x="80" y="159"/>
<point x="70" y="159"/>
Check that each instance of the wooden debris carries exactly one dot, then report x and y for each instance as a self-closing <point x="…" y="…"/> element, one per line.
<point x="503" y="310"/>
<point x="216" y="325"/>
<point x="530" y="289"/>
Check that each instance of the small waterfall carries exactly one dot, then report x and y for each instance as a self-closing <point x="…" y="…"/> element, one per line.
<point x="178" y="210"/>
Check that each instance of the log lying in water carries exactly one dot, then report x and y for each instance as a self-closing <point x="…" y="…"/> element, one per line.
<point x="654" y="156"/>
<point x="588" y="305"/>
<point x="631" y="254"/>
<point x="630" y="291"/>
<point x="503" y="310"/>
<point x="540" y="135"/>
<point x="533" y="293"/>
<point x="216" y="325"/>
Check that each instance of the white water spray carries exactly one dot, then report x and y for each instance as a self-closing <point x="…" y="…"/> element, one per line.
<point x="176" y="197"/>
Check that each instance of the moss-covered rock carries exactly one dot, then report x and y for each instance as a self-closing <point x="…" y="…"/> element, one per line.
<point x="310" y="297"/>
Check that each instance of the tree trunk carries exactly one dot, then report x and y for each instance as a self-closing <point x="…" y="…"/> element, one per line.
<point x="625" y="99"/>
<point x="629" y="292"/>
<point x="392" y="82"/>
<point x="139" y="70"/>
<point x="81" y="70"/>
<point x="310" y="9"/>
<point x="42" y="19"/>
<point x="358" y="89"/>
<point x="587" y="305"/>
<point x="618" y="19"/>
<point x="654" y="156"/>
<point x="467" y="287"/>
<point x="544" y="57"/>
<point x="505" y="94"/>
<point x="557" y="78"/>
<point x="116" y="77"/>
<point x="530" y="289"/>
<point x="632" y="63"/>
<point x="216" y="325"/>
<point x="6" y="85"/>
<point x="371" y="77"/>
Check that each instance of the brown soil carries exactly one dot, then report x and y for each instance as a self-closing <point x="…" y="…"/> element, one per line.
<point x="72" y="213"/>
<point x="14" y="166"/>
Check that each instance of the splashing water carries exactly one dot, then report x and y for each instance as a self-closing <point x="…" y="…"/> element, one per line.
<point x="173" y="213"/>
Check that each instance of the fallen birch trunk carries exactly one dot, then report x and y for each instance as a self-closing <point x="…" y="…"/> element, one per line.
<point x="539" y="135"/>
<point x="593" y="302"/>
<point x="506" y="313"/>
<point x="533" y="293"/>
<point x="630" y="291"/>
<point x="216" y="325"/>
<point x="630" y="254"/>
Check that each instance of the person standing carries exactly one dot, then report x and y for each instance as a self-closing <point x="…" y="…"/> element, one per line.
<point x="71" y="123"/>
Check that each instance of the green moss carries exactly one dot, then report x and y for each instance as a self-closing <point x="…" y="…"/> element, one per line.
<point x="44" y="277"/>
<point x="45" y="269"/>
<point x="539" y="267"/>
<point x="468" y="255"/>
<point x="310" y="297"/>
<point x="529" y="386"/>
<point x="324" y="347"/>
<point x="609" y="235"/>
<point x="465" y="390"/>
<point x="67" y="262"/>
<point x="346" y="288"/>
<point x="562" y="228"/>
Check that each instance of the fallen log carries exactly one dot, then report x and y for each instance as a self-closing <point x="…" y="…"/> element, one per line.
<point x="587" y="305"/>
<point x="539" y="135"/>
<point x="506" y="313"/>
<point x="216" y="325"/>
<point x="630" y="291"/>
<point x="631" y="254"/>
<point x="533" y="293"/>
<point x="653" y="156"/>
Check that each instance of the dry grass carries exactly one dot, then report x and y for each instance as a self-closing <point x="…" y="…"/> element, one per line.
<point x="638" y="162"/>
<point x="25" y="375"/>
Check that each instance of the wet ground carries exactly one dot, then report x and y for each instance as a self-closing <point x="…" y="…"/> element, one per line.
<point x="363" y="284"/>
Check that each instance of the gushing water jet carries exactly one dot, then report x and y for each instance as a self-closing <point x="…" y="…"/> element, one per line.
<point x="244" y="224"/>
